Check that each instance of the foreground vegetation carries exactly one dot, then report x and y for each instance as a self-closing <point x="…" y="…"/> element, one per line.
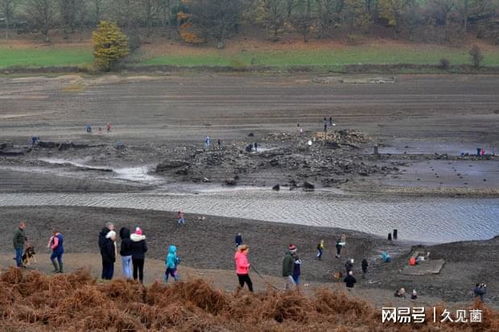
<point x="31" y="301"/>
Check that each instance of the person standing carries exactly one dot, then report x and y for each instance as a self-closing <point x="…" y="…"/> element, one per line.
<point x="139" y="248"/>
<point x="364" y="264"/>
<point x="288" y="264"/>
<point x="320" y="249"/>
<point x="19" y="241"/>
<point x="296" y="270"/>
<point x="256" y="146"/>
<point x="126" y="252"/>
<point x="330" y="121"/>
<point x="109" y="255"/>
<point x="107" y="261"/>
<point x="349" y="265"/>
<point x="207" y="142"/>
<point x="172" y="261"/>
<point x="339" y="246"/>
<point x="56" y="243"/>
<point x="243" y="266"/>
<point x="350" y="280"/>
<point x="238" y="239"/>
<point x="180" y="217"/>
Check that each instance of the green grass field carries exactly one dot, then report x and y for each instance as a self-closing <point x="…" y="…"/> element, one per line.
<point x="333" y="58"/>
<point x="340" y="57"/>
<point x="44" y="57"/>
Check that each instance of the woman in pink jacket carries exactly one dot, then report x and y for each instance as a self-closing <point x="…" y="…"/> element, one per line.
<point x="243" y="266"/>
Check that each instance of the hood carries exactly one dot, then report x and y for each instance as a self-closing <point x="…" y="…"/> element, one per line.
<point x="124" y="233"/>
<point x="104" y="232"/>
<point x="172" y="249"/>
<point x="136" y="238"/>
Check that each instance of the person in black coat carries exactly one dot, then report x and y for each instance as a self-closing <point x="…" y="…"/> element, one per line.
<point x="238" y="239"/>
<point x="107" y="251"/>
<point x="139" y="248"/>
<point x="350" y="280"/>
<point x="126" y="252"/>
<point x="365" y="264"/>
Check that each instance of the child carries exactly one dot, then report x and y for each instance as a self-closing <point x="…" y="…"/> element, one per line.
<point x="171" y="263"/>
<point x="180" y="217"/>
<point x="320" y="249"/>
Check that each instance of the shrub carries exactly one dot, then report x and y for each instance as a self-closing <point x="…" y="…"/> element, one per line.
<point x="476" y="56"/>
<point x="110" y="45"/>
<point x="444" y="64"/>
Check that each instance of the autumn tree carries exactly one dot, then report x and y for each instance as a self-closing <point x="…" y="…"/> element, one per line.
<point x="7" y="9"/>
<point x="392" y="11"/>
<point x="356" y="14"/>
<point x="110" y="45"/>
<point x="41" y="15"/>
<point x="217" y="19"/>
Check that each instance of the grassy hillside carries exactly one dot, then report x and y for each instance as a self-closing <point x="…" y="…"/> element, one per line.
<point x="247" y="54"/>
<point x="43" y="57"/>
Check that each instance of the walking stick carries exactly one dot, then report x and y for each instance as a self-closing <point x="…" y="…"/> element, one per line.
<point x="265" y="281"/>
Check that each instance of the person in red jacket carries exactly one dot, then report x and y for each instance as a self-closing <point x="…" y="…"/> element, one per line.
<point x="243" y="266"/>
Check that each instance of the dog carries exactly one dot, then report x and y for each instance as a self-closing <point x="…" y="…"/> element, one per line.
<point x="29" y="255"/>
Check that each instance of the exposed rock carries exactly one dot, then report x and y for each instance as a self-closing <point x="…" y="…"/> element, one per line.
<point x="170" y="164"/>
<point x="231" y="182"/>
<point x="308" y="186"/>
<point x="276" y="187"/>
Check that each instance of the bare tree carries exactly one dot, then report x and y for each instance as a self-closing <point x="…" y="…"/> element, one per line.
<point x="216" y="18"/>
<point x="273" y="15"/>
<point x="302" y="17"/>
<point x="41" y="15"/>
<point x="71" y="13"/>
<point x="7" y="8"/>
<point x="328" y="16"/>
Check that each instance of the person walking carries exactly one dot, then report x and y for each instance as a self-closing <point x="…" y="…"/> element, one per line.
<point x="256" y="146"/>
<point x="320" y="249"/>
<point x="339" y="246"/>
<point x="243" y="266"/>
<point x="207" y="142"/>
<point x="56" y="244"/>
<point x="19" y="241"/>
<point x="126" y="253"/>
<point x="330" y="121"/>
<point x="104" y="247"/>
<point x="364" y="265"/>
<point x="180" y="217"/>
<point x="350" y="281"/>
<point x="171" y="262"/>
<point x="139" y="248"/>
<point x="238" y="239"/>
<point x="288" y="264"/>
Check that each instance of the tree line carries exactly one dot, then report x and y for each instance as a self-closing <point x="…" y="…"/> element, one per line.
<point x="218" y="20"/>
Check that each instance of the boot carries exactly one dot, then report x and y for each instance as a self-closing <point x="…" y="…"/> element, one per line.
<point x="60" y="268"/>
<point x="56" y="268"/>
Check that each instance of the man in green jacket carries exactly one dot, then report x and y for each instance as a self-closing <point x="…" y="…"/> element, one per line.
<point x="288" y="264"/>
<point x="18" y="241"/>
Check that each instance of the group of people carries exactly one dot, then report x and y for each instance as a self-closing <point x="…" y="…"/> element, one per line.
<point x="88" y="128"/>
<point x="133" y="248"/>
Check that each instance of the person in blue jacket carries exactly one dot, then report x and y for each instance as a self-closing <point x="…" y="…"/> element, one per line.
<point x="171" y="261"/>
<point x="56" y="243"/>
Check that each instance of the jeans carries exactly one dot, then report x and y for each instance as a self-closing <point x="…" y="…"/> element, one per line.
<point x="296" y="279"/>
<point x="319" y="253"/>
<point x="244" y="278"/>
<point x="138" y="269"/>
<point x="290" y="282"/>
<point x="181" y="221"/>
<point x="58" y="256"/>
<point x="19" y="257"/>
<point x="107" y="270"/>
<point x="126" y="265"/>
<point x="171" y="272"/>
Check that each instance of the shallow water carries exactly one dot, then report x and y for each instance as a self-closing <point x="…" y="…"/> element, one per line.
<point x="417" y="219"/>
